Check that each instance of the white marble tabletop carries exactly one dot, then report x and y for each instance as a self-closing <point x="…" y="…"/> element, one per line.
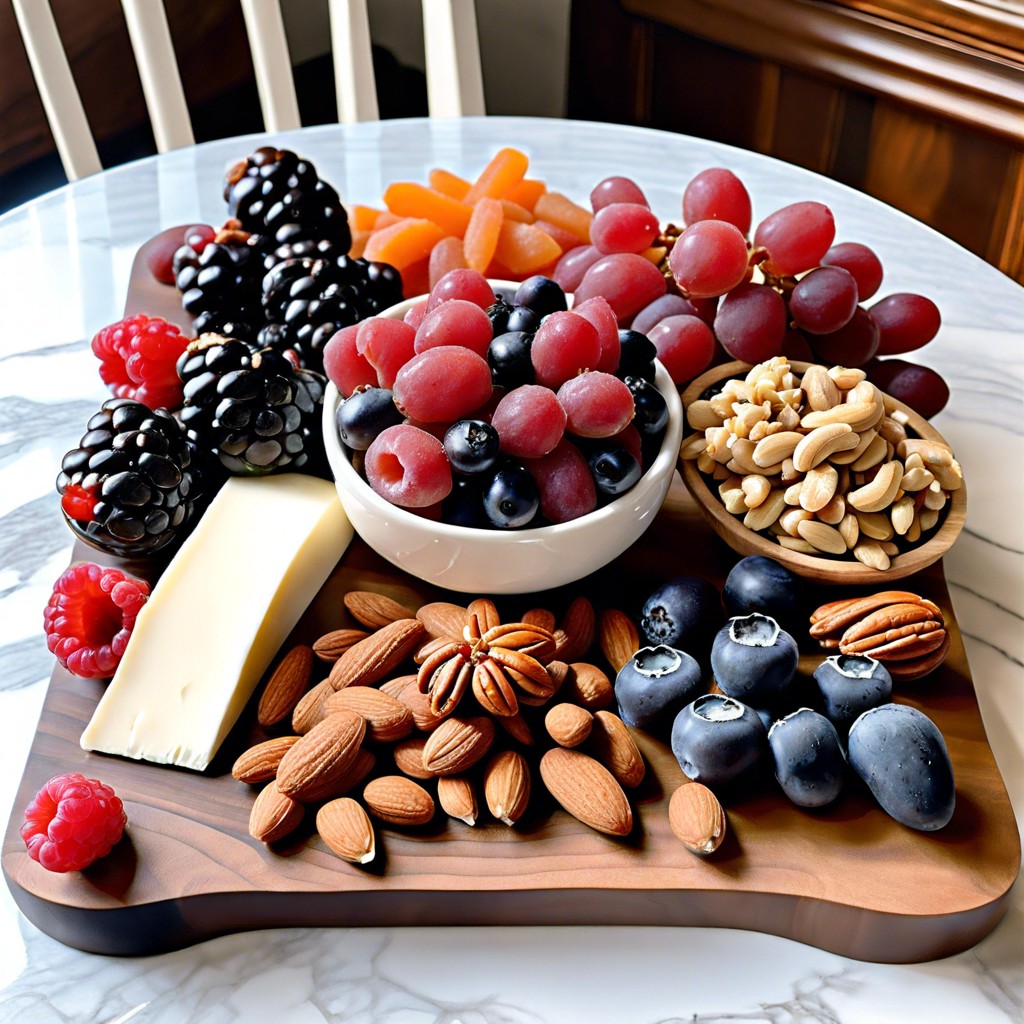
<point x="64" y="266"/>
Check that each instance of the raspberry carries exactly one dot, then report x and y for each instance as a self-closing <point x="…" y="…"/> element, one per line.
<point x="138" y="356"/>
<point x="72" y="822"/>
<point x="90" y="616"/>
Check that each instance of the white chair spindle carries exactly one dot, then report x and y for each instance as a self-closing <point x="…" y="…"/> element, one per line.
<point x="161" y="82"/>
<point x="354" y="81"/>
<point x="455" y="85"/>
<point x="57" y="90"/>
<point x="272" y="64"/>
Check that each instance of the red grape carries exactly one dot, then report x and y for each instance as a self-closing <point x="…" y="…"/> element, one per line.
<point x="455" y="322"/>
<point x="415" y="313"/>
<point x="462" y="284"/>
<point x="685" y="346"/>
<point x="573" y="264"/>
<point x="655" y="312"/>
<point x="751" y="322"/>
<point x="530" y="421"/>
<point x="852" y="345"/>
<point x="443" y="384"/>
<point x="447" y="255"/>
<point x="628" y="281"/>
<point x="387" y="344"/>
<point x="343" y="364"/>
<point x="407" y="466"/>
<point x="709" y="258"/>
<point x="616" y="190"/>
<point x="905" y="322"/>
<point x="795" y="346"/>
<point x="624" y="227"/>
<point x="920" y="387"/>
<point x="566" y="487"/>
<point x="565" y="344"/>
<point x="602" y="316"/>
<point x="824" y="300"/>
<point x="796" y="237"/>
<point x="596" y="404"/>
<point x="717" y="194"/>
<point x="860" y="261"/>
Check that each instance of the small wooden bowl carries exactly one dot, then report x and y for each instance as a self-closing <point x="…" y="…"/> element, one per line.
<point x="822" y="569"/>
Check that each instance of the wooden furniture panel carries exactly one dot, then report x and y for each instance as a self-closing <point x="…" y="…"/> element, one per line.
<point x="920" y="104"/>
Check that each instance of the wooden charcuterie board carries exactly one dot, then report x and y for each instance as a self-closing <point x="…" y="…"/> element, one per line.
<point x="847" y="879"/>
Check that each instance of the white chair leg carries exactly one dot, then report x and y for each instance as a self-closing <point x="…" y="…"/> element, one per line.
<point x="455" y="85"/>
<point x="275" y="80"/>
<point x="158" y="69"/>
<point x="353" y="62"/>
<point x="60" y="97"/>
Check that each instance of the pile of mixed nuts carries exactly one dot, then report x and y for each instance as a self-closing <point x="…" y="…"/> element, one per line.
<point x="823" y="463"/>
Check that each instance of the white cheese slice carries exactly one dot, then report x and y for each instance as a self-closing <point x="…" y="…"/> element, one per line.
<point x="216" y="618"/>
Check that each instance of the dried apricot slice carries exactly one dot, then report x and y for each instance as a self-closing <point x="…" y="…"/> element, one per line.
<point x="448" y="184"/>
<point x="527" y="192"/>
<point x="447" y="255"/>
<point x="482" y="234"/>
<point x="507" y="168"/>
<point x="402" y="244"/>
<point x="410" y="199"/>
<point x="524" y="248"/>
<point x="561" y="210"/>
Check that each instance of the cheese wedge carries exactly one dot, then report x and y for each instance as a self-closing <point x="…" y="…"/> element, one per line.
<point x="216" y="618"/>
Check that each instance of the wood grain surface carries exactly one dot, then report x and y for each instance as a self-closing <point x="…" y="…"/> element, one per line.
<point x="847" y="879"/>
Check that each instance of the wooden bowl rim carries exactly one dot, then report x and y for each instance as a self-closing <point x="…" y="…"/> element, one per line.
<point x="832" y="570"/>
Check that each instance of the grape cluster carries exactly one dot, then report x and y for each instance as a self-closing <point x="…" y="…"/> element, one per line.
<point x="789" y="290"/>
<point x="498" y="413"/>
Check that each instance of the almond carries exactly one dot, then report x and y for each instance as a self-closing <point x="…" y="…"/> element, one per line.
<point x="576" y="633"/>
<point x="507" y="786"/>
<point x="614" y="748"/>
<point x="516" y="727"/>
<point x="333" y="787"/>
<point x="398" y="800"/>
<point x="387" y="720"/>
<point x="322" y="755"/>
<point x="273" y="815"/>
<point x="347" y="830"/>
<point x="568" y="724"/>
<point x="697" y="818"/>
<point x="260" y="763"/>
<point x="443" y="620"/>
<point x="375" y="610"/>
<point x="418" y="703"/>
<point x="587" y="685"/>
<point x="379" y="654"/>
<point x="541" y="617"/>
<point x="618" y="637"/>
<point x="408" y="757"/>
<point x="307" y="712"/>
<point x="331" y="646"/>
<point x="587" y="790"/>
<point x="457" y="798"/>
<point x="285" y="686"/>
<point x="457" y="744"/>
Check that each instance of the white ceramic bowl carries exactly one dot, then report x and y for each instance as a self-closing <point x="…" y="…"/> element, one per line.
<point x="502" y="561"/>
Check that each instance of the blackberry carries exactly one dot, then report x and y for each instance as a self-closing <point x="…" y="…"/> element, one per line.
<point x="252" y="409"/>
<point x="221" y="285"/>
<point x="276" y="193"/>
<point x="307" y="301"/>
<point x="130" y="488"/>
<point x="305" y="249"/>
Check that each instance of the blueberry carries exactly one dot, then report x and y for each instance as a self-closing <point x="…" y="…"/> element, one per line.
<point x="654" y="685"/>
<point x="542" y="295"/>
<point x="508" y="356"/>
<point x="650" y="414"/>
<point x="683" y="613"/>
<point x="511" y="498"/>
<point x="900" y="754"/>
<point x="498" y="314"/>
<point x="636" y="355"/>
<point x="761" y="584"/>
<point x="809" y="762"/>
<point x="753" y="659"/>
<point x="850" y="684"/>
<point x="613" y="468"/>
<point x="524" y="319"/>
<point x="364" y="414"/>
<point x="471" y="446"/>
<point x="716" y="739"/>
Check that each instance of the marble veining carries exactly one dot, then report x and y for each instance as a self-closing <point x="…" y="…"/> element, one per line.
<point x="70" y="254"/>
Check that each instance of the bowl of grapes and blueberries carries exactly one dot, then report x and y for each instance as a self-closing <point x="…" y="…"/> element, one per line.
<point x="525" y="456"/>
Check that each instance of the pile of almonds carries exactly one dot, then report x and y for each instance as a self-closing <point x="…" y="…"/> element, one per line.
<point x="462" y="725"/>
<point x="822" y="463"/>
